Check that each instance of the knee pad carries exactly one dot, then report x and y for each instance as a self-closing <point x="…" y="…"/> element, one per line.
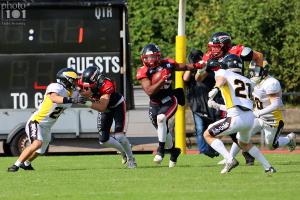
<point x="104" y="137"/>
<point x="161" y="118"/>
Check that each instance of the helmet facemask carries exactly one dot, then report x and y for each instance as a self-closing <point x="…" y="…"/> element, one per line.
<point x="257" y="73"/>
<point x="215" y="49"/>
<point x="151" y="60"/>
<point x="92" y="81"/>
<point x="67" y="78"/>
<point x="219" y="44"/>
<point x="150" y="55"/>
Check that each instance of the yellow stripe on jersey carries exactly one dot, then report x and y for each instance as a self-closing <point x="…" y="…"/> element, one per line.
<point x="227" y="96"/>
<point x="44" y="109"/>
<point x="278" y="116"/>
<point x="69" y="93"/>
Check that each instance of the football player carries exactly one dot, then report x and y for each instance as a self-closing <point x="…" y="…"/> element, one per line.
<point x="236" y="92"/>
<point x="163" y="99"/>
<point x="111" y="106"/>
<point x="269" y="109"/>
<point x="219" y="45"/>
<point x="58" y="97"/>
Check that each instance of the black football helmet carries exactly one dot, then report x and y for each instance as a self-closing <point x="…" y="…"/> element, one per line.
<point x="232" y="63"/>
<point x="219" y="44"/>
<point x="67" y="77"/>
<point x="257" y="73"/>
<point x="91" y="78"/>
<point x="150" y="55"/>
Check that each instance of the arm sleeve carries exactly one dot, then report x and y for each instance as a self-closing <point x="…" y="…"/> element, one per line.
<point x="275" y="103"/>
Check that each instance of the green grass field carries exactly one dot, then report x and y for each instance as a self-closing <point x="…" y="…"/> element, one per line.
<point x="103" y="177"/>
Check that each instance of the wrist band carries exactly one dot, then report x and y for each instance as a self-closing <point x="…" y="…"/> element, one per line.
<point x="67" y="100"/>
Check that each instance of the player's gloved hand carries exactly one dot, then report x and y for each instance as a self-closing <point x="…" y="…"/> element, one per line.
<point x="256" y="113"/>
<point x="199" y="65"/>
<point x="75" y="100"/>
<point x="212" y="104"/>
<point x="213" y="93"/>
<point x="79" y="99"/>
<point x="165" y="74"/>
<point x="202" y="70"/>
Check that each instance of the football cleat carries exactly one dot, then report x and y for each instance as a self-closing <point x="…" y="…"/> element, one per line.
<point x="131" y="163"/>
<point x="175" y="152"/>
<point x="159" y="156"/>
<point x="172" y="164"/>
<point x="292" y="144"/>
<point x="158" y="159"/>
<point x="271" y="170"/>
<point x="13" y="168"/>
<point x="29" y="167"/>
<point x="229" y="166"/>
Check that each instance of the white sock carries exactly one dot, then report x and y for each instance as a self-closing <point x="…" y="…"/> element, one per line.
<point x="255" y="152"/>
<point x="18" y="163"/>
<point x="112" y="142"/>
<point x="161" y="127"/>
<point x="234" y="150"/>
<point x="121" y="137"/>
<point x="27" y="163"/>
<point x="218" y="145"/>
<point x="283" y="141"/>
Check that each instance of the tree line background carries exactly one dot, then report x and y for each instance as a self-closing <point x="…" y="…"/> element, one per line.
<point x="268" y="26"/>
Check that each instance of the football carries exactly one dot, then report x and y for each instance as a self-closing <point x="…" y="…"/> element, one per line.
<point x="156" y="77"/>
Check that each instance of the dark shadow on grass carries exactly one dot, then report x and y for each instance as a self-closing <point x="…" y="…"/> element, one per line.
<point x="77" y="169"/>
<point x="287" y="163"/>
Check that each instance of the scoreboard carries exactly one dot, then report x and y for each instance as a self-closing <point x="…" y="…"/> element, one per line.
<point x="41" y="37"/>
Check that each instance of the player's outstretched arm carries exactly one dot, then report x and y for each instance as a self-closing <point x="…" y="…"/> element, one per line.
<point x="102" y="104"/>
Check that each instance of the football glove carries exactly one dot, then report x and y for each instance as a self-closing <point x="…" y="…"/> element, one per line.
<point x="212" y="104"/>
<point x="165" y="74"/>
<point x="213" y="93"/>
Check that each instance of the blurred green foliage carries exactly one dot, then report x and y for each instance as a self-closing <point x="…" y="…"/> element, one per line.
<point x="268" y="26"/>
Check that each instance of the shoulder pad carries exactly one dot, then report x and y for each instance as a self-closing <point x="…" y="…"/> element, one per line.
<point x="272" y="86"/>
<point x="54" y="87"/>
<point x="107" y="87"/>
<point x="142" y="73"/>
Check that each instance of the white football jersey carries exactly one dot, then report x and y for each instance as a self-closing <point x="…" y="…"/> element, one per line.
<point x="48" y="111"/>
<point x="261" y="91"/>
<point x="237" y="90"/>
